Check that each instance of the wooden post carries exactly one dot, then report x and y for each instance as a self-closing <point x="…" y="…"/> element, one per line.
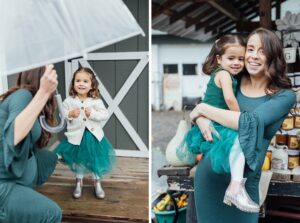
<point x="278" y="9"/>
<point x="265" y="13"/>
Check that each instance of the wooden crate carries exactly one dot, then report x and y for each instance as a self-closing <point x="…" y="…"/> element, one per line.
<point x="296" y="177"/>
<point x="282" y="176"/>
<point x="286" y="176"/>
<point x="287" y="188"/>
<point x="179" y="178"/>
<point x="174" y="171"/>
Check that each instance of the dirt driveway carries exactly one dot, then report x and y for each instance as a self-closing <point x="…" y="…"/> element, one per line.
<point x="164" y="125"/>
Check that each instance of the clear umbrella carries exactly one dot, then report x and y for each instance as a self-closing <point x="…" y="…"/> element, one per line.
<point x="39" y="32"/>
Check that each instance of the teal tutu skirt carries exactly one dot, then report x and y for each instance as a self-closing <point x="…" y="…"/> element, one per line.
<point x="218" y="150"/>
<point x="95" y="156"/>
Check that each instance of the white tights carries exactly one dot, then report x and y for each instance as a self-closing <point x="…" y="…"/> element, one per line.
<point x="80" y="170"/>
<point x="236" y="161"/>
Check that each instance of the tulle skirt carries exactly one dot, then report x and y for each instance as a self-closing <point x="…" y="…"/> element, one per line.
<point x="95" y="156"/>
<point x="218" y="150"/>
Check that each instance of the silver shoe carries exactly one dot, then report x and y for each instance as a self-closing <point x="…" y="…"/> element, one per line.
<point x="78" y="189"/>
<point x="99" y="192"/>
<point x="241" y="199"/>
<point x="60" y="159"/>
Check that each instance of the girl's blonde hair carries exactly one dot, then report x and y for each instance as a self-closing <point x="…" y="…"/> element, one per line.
<point x="94" y="92"/>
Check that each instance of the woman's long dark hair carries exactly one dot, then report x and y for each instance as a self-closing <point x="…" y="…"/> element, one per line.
<point x="219" y="48"/>
<point x="30" y="80"/>
<point x="94" y="92"/>
<point x="276" y="69"/>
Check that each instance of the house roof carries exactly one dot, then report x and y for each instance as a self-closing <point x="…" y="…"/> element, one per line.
<point x="170" y="39"/>
<point x="205" y="20"/>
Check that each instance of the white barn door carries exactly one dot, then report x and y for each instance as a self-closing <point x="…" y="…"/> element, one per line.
<point x="113" y="103"/>
<point x="3" y="83"/>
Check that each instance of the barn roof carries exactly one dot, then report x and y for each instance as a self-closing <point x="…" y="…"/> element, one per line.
<point x="204" y="20"/>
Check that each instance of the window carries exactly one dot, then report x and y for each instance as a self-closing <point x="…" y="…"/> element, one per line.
<point x="189" y="69"/>
<point x="170" y="69"/>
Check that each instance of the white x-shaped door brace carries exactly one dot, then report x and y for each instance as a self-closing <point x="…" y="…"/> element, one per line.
<point x="3" y="83"/>
<point x="113" y="104"/>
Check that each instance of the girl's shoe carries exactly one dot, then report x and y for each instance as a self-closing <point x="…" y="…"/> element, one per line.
<point x="78" y="188"/>
<point x="60" y="159"/>
<point x="241" y="199"/>
<point x="99" y="192"/>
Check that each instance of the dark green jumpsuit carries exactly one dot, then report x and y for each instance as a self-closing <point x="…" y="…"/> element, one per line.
<point x="261" y="117"/>
<point x="22" y="168"/>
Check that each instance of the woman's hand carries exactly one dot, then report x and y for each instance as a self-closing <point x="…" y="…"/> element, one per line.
<point x="74" y="113"/>
<point x="195" y="113"/>
<point x="48" y="82"/>
<point x="25" y="120"/>
<point x="204" y="126"/>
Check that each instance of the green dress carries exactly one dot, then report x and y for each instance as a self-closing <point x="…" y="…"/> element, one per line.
<point x="261" y="117"/>
<point x="22" y="168"/>
<point x="219" y="149"/>
<point x="97" y="157"/>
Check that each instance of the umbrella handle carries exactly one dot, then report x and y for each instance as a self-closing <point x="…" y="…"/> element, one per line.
<point x="63" y="122"/>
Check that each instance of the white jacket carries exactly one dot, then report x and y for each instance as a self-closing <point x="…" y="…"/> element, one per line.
<point x="76" y="126"/>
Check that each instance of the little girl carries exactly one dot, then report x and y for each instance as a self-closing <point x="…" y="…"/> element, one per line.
<point x="86" y="148"/>
<point x="225" y="60"/>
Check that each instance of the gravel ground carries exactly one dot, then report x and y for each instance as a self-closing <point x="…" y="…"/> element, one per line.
<point x="164" y="125"/>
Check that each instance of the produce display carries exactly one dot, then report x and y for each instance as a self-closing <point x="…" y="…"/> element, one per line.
<point x="283" y="153"/>
<point x="166" y="203"/>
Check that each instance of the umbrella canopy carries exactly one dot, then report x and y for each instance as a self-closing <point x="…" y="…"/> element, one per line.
<point x="35" y="32"/>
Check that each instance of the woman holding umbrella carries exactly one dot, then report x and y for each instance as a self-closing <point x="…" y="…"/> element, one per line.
<point x="23" y="163"/>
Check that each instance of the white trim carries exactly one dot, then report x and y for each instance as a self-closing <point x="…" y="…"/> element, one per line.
<point x="3" y="83"/>
<point x="70" y="68"/>
<point x="113" y="104"/>
<point x="68" y="75"/>
<point x="131" y="153"/>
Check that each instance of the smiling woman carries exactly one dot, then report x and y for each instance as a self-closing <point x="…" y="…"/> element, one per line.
<point x="261" y="64"/>
<point x="255" y="56"/>
<point x="25" y="163"/>
<point x="227" y="55"/>
<point x="263" y="90"/>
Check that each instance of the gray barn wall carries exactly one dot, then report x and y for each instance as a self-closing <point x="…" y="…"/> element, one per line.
<point x="113" y="74"/>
